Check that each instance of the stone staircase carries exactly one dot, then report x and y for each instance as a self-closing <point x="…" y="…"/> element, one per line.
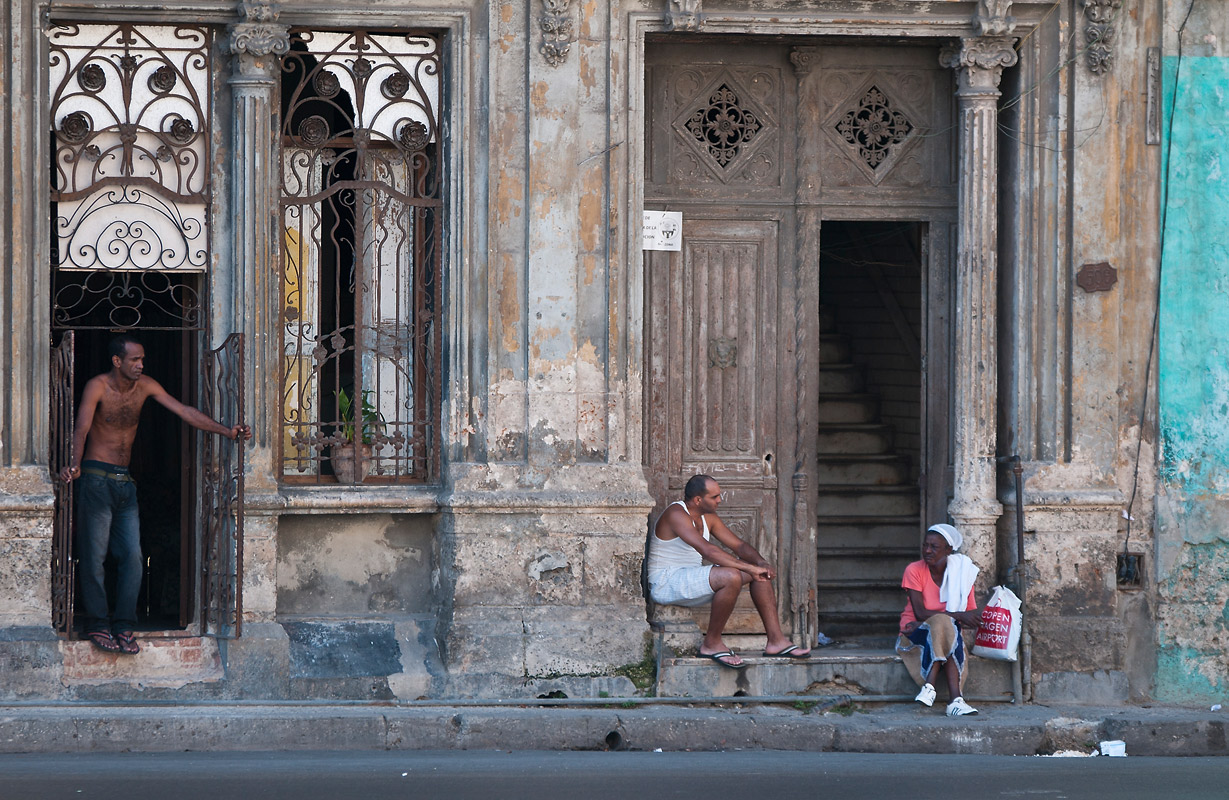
<point x="868" y="506"/>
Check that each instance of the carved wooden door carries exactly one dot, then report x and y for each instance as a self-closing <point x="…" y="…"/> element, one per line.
<point x="720" y="134"/>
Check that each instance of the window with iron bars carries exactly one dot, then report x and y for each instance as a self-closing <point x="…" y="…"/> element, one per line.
<point x="361" y="214"/>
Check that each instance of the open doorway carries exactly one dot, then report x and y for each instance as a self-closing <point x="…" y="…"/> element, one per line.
<point x="163" y="460"/>
<point x="870" y="438"/>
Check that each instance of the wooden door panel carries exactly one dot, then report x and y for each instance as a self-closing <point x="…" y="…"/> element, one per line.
<point x="712" y="373"/>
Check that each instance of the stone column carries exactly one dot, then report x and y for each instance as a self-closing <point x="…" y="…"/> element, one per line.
<point x="979" y="63"/>
<point x="256" y="43"/>
<point x="802" y="601"/>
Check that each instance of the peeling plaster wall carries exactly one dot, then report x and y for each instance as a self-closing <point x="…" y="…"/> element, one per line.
<point x="1193" y="503"/>
<point x="354" y="565"/>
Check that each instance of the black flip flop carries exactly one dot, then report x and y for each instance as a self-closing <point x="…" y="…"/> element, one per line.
<point x="725" y="654"/>
<point x="789" y="652"/>
<point x="102" y="640"/>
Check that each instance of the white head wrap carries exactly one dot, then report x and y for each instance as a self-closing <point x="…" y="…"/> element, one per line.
<point x="947" y="532"/>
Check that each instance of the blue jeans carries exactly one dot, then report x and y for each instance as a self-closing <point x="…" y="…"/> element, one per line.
<point x="107" y="521"/>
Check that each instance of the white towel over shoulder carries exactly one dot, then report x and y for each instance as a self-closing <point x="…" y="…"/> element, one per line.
<point x="958" y="579"/>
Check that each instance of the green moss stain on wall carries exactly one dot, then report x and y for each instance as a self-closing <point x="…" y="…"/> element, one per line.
<point x="1193" y="382"/>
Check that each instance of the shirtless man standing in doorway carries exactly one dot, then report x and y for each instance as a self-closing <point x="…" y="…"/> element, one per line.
<point x="107" y="519"/>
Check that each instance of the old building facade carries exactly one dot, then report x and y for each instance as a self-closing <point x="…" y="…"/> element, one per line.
<point x="403" y="241"/>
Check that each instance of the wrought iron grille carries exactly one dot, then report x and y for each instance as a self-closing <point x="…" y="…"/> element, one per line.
<point x="63" y="563"/>
<point x="361" y="211"/>
<point x="130" y="185"/>
<point x="221" y="509"/>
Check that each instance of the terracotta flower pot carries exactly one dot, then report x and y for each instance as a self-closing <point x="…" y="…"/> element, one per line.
<point x="346" y="467"/>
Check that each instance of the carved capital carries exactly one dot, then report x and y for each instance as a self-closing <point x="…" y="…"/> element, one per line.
<point x="805" y="59"/>
<point x="980" y="62"/>
<point x="993" y="18"/>
<point x="1099" y="18"/>
<point x="259" y="34"/>
<point x="556" y="25"/>
<point x="684" y="15"/>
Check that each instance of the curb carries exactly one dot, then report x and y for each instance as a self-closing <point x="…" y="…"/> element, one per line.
<point x="899" y="728"/>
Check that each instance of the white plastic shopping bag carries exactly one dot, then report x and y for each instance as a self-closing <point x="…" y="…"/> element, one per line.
<point x="998" y="635"/>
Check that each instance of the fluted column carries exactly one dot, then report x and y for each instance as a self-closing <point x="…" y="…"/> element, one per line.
<point x="979" y="63"/>
<point x="256" y="43"/>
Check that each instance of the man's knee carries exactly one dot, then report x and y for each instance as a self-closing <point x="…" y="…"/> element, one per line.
<point x="724" y="577"/>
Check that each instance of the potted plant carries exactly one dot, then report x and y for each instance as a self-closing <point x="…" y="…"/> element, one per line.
<point x="361" y="422"/>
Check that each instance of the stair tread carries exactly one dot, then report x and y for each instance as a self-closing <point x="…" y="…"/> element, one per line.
<point x="868" y="488"/>
<point x="859" y="583"/>
<point x="886" y="519"/>
<point x="866" y="552"/>
<point x="841" y="458"/>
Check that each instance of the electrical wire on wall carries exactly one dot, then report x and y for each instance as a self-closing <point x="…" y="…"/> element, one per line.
<point x="1167" y="122"/>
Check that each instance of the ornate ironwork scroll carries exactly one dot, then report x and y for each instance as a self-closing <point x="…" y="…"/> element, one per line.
<point x="222" y="494"/>
<point x="131" y="174"/>
<point x="362" y="222"/>
<point x="130" y="111"/>
<point x="63" y="565"/>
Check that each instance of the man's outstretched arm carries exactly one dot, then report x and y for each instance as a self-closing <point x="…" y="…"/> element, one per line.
<point x="194" y="417"/>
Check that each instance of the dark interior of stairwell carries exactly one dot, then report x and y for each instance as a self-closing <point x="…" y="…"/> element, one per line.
<point x="870" y="432"/>
<point x="162" y="461"/>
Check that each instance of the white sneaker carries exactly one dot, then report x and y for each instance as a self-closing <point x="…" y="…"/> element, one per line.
<point x="959" y="708"/>
<point x="927" y="696"/>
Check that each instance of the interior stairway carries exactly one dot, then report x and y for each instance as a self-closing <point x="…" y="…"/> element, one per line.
<point x="868" y="506"/>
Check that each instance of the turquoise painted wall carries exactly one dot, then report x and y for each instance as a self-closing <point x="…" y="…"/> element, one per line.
<point x="1193" y="380"/>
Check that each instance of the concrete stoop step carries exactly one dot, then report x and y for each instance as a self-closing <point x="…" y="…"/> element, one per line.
<point x="828" y="671"/>
<point x="163" y="662"/>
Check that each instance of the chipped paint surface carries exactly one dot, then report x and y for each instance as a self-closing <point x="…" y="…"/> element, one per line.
<point x="1193" y="508"/>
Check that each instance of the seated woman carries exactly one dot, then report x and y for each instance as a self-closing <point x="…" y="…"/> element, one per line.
<point x="939" y="599"/>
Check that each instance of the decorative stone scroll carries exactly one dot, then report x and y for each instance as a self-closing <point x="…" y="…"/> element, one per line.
<point x="556" y="25"/>
<point x="684" y="15"/>
<point x="1099" y="33"/>
<point x="258" y="34"/>
<point x="992" y="18"/>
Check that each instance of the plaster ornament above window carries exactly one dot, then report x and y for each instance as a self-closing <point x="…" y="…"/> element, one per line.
<point x="556" y="25"/>
<point x="1099" y="33"/>
<point x="724" y="127"/>
<point x="993" y="18"/>
<point x="684" y="15"/>
<point x="876" y="128"/>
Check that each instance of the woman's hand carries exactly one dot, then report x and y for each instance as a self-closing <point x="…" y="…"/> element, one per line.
<point x="969" y="619"/>
<point x="910" y="627"/>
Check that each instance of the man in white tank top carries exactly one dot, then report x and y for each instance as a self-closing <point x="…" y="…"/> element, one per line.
<point x="679" y="546"/>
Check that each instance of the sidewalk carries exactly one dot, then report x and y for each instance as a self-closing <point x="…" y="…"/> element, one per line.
<point x="1000" y="729"/>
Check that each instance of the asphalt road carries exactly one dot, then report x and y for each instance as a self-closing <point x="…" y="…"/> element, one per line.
<point x="500" y="775"/>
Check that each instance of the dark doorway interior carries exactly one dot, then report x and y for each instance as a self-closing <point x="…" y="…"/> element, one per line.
<point x="870" y="426"/>
<point x="870" y="280"/>
<point x="162" y="462"/>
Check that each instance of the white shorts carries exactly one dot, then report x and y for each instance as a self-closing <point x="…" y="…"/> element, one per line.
<point x="681" y="586"/>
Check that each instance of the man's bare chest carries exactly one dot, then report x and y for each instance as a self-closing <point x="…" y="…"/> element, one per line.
<point x="122" y="411"/>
